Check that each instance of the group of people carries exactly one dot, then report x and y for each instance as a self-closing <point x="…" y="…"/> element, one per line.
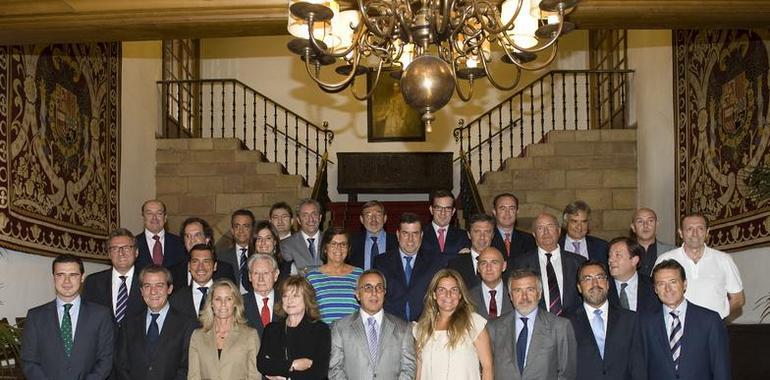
<point x="430" y="301"/>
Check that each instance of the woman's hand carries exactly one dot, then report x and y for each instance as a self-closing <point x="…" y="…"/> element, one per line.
<point x="302" y="364"/>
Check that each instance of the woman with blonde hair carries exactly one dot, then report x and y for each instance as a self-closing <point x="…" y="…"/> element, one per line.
<point x="299" y="346"/>
<point x="225" y="347"/>
<point x="452" y="340"/>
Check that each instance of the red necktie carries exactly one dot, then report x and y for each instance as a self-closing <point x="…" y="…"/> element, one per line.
<point x="441" y="238"/>
<point x="507" y="244"/>
<point x="265" y="312"/>
<point x="492" y="304"/>
<point x="157" y="251"/>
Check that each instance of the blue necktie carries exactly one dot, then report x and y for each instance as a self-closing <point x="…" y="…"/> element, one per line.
<point x="153" y="332"/>
<point x="122" y="304"/>
<point x="373" y="252"/>
<point x="597" y="325"/>
<point x="521" y="344"/>
<point x="408" y="275"/>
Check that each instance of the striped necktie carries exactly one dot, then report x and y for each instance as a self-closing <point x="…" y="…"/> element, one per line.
<point x="121" y="305"/>
<point x="675" y="339"/>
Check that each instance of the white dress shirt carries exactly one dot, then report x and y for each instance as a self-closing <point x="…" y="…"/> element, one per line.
<point x="498" y="296"/>
<point x="197" y="295"/>
<point x="632" y="290"/>
<point x="116" y="281"/>
<point x="270" y="302"/>
<point x="556" y="262"/>
<point x="151" y="242"/>
<point x="377" y="317"/>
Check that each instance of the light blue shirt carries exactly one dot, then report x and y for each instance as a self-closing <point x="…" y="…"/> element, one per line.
<point x="668" y="318"/>
<point x="74" y="312"/>
<point x="368" y="247"/>
<point x="631" y="290"/>
<point x="530" y="328"/>
<point x="161" y="318"/>
<point x="403" y="261"/>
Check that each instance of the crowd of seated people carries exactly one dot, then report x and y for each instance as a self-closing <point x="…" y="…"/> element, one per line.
<point x="427" y="301"/>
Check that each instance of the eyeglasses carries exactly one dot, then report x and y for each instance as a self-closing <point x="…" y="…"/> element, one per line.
<point x="334" y="244"/>
<point x="372" y="289"/>
<point x="126" y="249"/>
<point x="372" y="215"/>
<point x="442" y="209"/>
<point x="598" y="277"/>
<point x="451" y="291"/>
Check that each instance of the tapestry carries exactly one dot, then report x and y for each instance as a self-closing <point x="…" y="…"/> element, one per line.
<point x="721" y="107"/>
<point x="59" y="147"/>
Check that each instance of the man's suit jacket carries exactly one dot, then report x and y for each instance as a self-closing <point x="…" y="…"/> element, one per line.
<point x="521" y="242"/>
<point x="646" y="299"/>
<point x="98" y="289"/>
<point x="570" y="262"/>
<point x="228" y="261"/>
<point x="597" y="248"/>
<point x="358" y="243"/>
<point x="463" y="264"/>
<point x="551" y="352"/>
<point x="425" y="265"/>
<point x="168" y="361"/>
<point x="173" y="251"/>
<point x="456" y="239"/>
<point x="350" y="358"/>
<point x="239" y="355"/>
<point x="294" y="248"/>
<point x="182" y="300"/>
<point x="42" y="349"/>
<point x="179" y="273"/>
<point x="647" y="262"/>
<point x="705" y="354"/>
<point x="482" y="309"/>
<point x="623" y="351"/>
<point x="253" y="309"/>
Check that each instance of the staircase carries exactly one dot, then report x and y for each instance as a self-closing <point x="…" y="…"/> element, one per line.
<point x="597" y="166"/>
<point x="210" y="178"/>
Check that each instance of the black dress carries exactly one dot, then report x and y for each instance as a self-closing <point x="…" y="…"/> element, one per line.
<point x="281" y="345"/>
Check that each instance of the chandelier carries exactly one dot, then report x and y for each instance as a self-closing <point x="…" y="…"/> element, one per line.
<point x="435" y="47"/>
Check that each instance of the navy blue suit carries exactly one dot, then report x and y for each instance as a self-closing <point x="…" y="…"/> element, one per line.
<point x="646" y="299"/>
<point x="570" y="262"/>
<point x="521" y="242"/>
<point x="623" y="350"/>
<point x="173" y="251"/>
<point x="424" y="266"/>
<point x="463" y="264"/>
<point x="705" y="353"/>
<point x="456" y="239"/>
<point x="597" y="248"/>
<point x="359" y="242"/>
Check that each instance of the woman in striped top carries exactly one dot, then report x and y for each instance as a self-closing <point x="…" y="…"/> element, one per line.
<point x="335" y="281"/>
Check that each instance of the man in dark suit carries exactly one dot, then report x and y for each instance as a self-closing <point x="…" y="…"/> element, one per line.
<point x="304" y="246"/>
<point x="190" y="299"/>
<point x="530" y="343"/>
<point x="481" y="227"/>
<point x="195" y="231"/>
<point x="68" y="338"/>
<point x="117" y="288"/>
<point x="507" y="239"/>
<point x="153" y="345"/>
<point x="237" y="255"/>
<point x="628" y="289"/>
<point x="440" y="237"/>
<point x="408" y="270"/>
<point x="259" y="304"/>
<point x="609" y="338"/>
<point x="557" y="268"/>
<point x="576" y="218"/>
<point x="156" y="245"/>
<point x="373" y="240"/>
<point x="685" y="341"/>
<point x="490" y="295"/>
<point x="644" y="225"/>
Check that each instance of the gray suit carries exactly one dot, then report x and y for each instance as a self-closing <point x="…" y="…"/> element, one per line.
<point x="350" y="357"/>
<point x="483" y="309"/>
<point x="294" y="248"/>
<point x="663" y="247"/>
<point x="552" y="352"/>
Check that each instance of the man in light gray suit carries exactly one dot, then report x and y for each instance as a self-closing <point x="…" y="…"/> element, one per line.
<point x="644" y="226"/>
<point x="370" y="343"/>
<point x="304" y="246"/>
<point x="528" y="329"/>
<point x="491" y="295"/>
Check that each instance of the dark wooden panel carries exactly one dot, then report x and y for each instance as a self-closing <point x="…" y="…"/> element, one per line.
<point x="379" y="173"/>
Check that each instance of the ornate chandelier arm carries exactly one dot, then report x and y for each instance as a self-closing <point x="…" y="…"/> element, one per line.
<point x="331" y="87"/>
<point x="359" y="32"/>
<point x="459" y="92"/>
<point x="496" y="18"/>
<point x="551" y="41"/>
<point x="373" y="27"/>
<point x="532" y="67"/>
<point x="374" y="86"/>
<point x="498" y="85"/>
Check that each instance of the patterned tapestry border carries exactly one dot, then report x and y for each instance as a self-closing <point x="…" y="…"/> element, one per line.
<point x="59" y="147"/>
<point x="721" y="106"/>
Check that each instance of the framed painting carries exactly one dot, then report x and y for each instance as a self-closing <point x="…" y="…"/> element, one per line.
<point x="389" y="117"/>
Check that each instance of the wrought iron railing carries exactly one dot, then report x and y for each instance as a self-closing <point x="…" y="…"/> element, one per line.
<point x="557" y="100"/>
<point x="228" y="108"/>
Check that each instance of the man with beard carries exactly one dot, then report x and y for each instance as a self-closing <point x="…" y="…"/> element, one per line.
<point x="609" y="338"/>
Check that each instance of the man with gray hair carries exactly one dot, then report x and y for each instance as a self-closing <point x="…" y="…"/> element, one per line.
<point x="529" y="329"/>
<point x="576" y="220"/>
<point x="259" y="304"/>
<point x="389" y="353"/>
<point x="304" y="246"/>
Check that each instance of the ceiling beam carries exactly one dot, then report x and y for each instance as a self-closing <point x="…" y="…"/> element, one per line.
<point x="44" y="21"/>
